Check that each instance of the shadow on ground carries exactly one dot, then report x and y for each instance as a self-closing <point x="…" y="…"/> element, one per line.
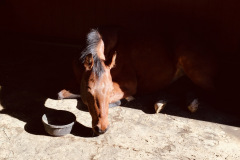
<point x="31" y="72"/>
<point x="220" y="108"/>
<point x="28" y="106"/>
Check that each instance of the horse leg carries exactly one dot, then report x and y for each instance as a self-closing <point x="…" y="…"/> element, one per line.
<point x="71" y="86"/>
<point x="159" y="105"/>
<point x="122" y="93"/>
<point x="64" y="94"/>
<point x="74" y="82"/>
<point x="124" y="85"/>
<point x="121" y="101"/>
<point x="116" y="96"/>
<point x="192" y="102"/>
<point x="190" y="93"/>
<point x="201" y="70"/>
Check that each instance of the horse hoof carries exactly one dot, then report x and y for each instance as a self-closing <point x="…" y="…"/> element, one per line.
<point x="159" y="106"/>
<point x="130" y="98"/>
<point x="62" y="94"/>
<point x="115" y="104"/>
<point x="193" y="107"/>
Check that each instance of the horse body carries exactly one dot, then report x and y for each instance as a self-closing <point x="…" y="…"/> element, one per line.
<point x="147" y="64"/>
<point x="144" y="64"/>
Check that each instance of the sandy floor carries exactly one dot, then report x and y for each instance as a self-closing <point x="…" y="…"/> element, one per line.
<point x="133" y="135"/>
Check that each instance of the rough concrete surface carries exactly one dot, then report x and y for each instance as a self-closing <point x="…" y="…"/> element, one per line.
<point x="133" y="135"/>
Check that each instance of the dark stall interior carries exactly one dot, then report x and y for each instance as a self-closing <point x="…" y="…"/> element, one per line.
<point x="39" y="39"/>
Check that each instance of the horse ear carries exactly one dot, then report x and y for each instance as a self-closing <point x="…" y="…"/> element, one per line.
<point x="113" y="62"/>
<point x="88" y="62"/>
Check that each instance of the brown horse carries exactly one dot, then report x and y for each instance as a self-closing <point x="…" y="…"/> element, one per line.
<point x="144" y="64"/>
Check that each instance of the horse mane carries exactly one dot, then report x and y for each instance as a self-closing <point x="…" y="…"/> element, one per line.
<point x="93" y="39"/>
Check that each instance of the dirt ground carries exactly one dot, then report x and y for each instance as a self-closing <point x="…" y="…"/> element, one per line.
<point x="32" y="73"/>
<point x="133" y="135"/>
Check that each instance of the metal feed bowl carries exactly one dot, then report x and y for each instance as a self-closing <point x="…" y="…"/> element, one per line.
<point x="59" y="122"/>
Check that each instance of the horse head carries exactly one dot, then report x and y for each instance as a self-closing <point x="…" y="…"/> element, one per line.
<point x="96" y="84"/>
